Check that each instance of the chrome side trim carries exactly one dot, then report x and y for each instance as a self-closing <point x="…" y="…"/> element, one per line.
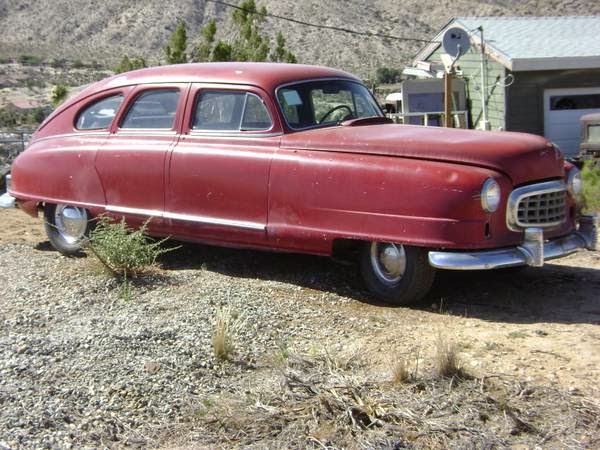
<point x="533" y="252"/>
<point x="188" y="218"/>
<point x="512" y="206"/>
<point x="233" y="134"/>
<point x="134" y="211"/>
<point x="216" y="221"/>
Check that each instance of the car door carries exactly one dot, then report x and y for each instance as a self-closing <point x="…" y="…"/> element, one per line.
<point x="131" y="163"/>
<point x="219" y="169"/>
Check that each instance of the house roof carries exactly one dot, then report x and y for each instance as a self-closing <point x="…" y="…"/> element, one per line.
<point x="533" y="43"/>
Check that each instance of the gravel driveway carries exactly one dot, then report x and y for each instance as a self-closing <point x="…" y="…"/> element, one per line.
<point x="80" y="367"/>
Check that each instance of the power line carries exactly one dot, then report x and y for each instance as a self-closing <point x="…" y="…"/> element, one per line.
<point x="327" y="27"/>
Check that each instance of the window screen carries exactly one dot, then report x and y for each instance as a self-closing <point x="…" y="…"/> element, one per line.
<point x="99" y="115"/>
<point x="230" y="111"/>
<point x="153" y="109"/>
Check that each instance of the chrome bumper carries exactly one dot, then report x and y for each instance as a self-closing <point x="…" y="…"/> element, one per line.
<point x="7" y="201"/>
<point x="532" y="252"/>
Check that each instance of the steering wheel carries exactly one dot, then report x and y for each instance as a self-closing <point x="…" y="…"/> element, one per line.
<point x="328" y="113"/>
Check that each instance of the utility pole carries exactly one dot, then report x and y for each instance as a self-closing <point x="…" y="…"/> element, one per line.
<point x="448" y="119"/>
<point x="456" y="43"/>
<point x="484" y="119"/>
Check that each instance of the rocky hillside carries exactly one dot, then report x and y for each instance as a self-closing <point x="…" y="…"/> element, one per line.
<point x="104" y="31"/>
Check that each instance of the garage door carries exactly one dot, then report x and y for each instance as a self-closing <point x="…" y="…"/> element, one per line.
<point x="562" y="110"/>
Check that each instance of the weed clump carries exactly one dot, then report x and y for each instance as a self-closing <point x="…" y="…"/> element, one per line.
<point x="405" y="368"/>
<point x="227" y="327"/>
<point x="447" y="364"/>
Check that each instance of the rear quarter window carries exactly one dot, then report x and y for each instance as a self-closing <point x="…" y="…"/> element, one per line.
<point x="100" y="114"/>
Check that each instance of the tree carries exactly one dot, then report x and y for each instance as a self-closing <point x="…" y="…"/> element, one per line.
<point x="222" y="52"/>
<point x="177" y="45"/>
<point x="387" y="75"/>
<point x="281" y="53"/>
<point x="128" y="64"/>
<point x="248" y="43"/>
<point x="203" y="50"/>
<point x="58" y="94"/>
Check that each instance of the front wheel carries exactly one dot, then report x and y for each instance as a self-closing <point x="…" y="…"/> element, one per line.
<point x="66" y="226"/>
<point x="396" y="273"/>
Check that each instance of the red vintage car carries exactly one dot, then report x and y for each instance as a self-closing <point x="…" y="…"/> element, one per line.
<point x="298" y="158"/>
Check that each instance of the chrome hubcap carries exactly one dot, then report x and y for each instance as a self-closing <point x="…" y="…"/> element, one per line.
<point x="388" y="261"/>
<point x="71" y="222"/>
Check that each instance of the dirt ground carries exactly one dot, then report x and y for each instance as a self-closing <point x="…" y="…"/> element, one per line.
<point x="539" y="325"/>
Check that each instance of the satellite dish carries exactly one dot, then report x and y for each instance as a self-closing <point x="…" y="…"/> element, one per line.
<point x="456" y="42"/>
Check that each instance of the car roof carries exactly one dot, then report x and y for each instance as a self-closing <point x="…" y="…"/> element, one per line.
<point x="265" y="75"/>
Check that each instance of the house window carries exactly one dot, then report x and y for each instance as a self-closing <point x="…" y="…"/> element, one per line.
<point x="581" y="101"/>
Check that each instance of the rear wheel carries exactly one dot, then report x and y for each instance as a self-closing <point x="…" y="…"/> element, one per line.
<point x="396" y="273"/>
<point x="66" y="226"/>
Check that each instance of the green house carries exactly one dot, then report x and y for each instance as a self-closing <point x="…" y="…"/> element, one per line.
<point x="540" y="74"/>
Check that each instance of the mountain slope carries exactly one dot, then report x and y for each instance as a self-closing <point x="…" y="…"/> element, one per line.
<point x="104" y="31"/>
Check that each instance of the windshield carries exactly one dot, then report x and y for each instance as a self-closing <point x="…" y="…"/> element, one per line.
<point x="325" y="102"/>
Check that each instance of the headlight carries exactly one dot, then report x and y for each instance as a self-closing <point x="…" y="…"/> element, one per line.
<point x="574" y="181"/>
<point x="490" y="195"/>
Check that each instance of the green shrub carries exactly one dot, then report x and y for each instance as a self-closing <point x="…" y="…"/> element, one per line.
<point x="29" y="60"/>
<point x="590" y="175"/>
<point x="122" y="250"/>
<point x="58" y="94"/>
<point x="126" y="64"/>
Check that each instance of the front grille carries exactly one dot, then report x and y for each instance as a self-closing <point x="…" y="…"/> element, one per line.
<point x="542" y="209"/>
<point x="537" y="205"/>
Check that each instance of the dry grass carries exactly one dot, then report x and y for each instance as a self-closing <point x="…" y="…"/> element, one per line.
<point x="331" y="402"/>
<point x="228" y="324"/>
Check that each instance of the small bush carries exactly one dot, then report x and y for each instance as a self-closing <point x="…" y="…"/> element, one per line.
<point x="124" y="251"/>
<point x="227" y="327"/>
<point x="590" y="175"/>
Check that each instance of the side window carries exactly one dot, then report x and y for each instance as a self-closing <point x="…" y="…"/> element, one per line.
<point x="153" y="109"/>
<point x="99" y="115"/>
<point x="230" y="111"/>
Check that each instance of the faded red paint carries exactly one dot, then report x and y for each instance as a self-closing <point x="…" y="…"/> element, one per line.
<point x="289" y="190"/>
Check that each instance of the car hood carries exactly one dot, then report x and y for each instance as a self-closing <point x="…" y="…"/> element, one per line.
<point x="522" y="157"/>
